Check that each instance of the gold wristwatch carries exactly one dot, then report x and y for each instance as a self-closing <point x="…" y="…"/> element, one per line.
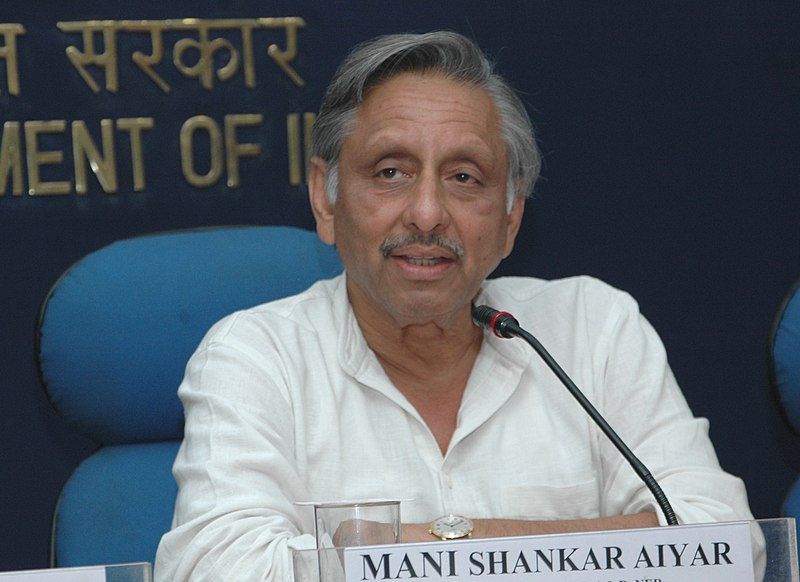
<point x="451" y="527"/>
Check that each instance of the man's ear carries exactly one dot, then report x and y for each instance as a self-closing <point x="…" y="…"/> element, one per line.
<point x="318" y="196"/>
<point x="514" y="221"/>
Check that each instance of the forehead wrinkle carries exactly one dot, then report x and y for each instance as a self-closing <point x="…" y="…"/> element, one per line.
<point x="461" y="136"/>
<point x="406" y="106"/>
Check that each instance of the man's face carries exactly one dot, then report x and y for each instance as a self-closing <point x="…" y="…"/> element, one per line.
<point x="420" y="218"/>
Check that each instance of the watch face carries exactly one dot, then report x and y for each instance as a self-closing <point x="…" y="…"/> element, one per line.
<point x="451" y="527"/>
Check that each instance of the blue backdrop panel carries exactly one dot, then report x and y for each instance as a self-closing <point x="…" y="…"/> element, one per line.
<point x="669" y="134"/>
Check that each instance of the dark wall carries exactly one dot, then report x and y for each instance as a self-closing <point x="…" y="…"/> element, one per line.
<point x="670" y="135"/>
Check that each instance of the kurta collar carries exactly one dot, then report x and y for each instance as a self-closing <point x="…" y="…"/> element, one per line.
<point x="496" y="375"/>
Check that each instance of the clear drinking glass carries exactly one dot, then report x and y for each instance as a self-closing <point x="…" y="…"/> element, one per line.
<point x="349" y="524"/>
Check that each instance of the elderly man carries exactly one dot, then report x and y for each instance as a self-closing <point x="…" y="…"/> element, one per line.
<point x="377" y="384"/>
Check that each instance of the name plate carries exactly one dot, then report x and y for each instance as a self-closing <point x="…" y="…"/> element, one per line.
<point x="91" y="574"/>
<point x="707" y="552"/>
<point x="135" y="572"/>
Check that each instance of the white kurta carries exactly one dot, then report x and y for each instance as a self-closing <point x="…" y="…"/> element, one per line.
<point x="286" y="403"/>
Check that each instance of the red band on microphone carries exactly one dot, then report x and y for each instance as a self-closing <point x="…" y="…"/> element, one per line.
<point x="494" y="321"/>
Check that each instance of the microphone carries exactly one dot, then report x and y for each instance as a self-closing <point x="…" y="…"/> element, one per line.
<point x="504" y="325"/>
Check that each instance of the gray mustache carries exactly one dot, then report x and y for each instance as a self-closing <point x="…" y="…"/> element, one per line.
<point x="428" y="240"/>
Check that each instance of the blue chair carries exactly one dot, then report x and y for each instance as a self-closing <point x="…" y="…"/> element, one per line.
<point x="113" y="337"/>
<point x="784" y="356"/>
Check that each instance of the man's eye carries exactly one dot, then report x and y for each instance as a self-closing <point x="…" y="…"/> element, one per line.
<point x="464" y="178"/>
<point x="390" y="173"/>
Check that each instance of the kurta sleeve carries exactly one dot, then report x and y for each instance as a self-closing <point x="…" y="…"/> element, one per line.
<point x="235" y="516"/>
<point x="642" y="401"/>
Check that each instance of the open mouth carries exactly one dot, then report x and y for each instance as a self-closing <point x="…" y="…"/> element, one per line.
<point x="426" y="245"/>
<point x="424" y="261"/>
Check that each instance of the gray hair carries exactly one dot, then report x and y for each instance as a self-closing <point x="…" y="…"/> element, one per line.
<point x="453" y="55"/>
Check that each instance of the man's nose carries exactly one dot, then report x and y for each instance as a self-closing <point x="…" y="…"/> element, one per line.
<point x="426" y="210"/>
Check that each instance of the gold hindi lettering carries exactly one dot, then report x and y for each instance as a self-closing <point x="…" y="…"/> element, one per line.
<point x="206" y="57"/>
<point x="107" y="59"/>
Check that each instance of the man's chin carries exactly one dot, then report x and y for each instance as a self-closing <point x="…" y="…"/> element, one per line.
<point x="422" y="313"/>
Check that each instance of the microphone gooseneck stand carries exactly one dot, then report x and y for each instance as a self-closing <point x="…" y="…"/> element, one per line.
<point x="504" y="325"/>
